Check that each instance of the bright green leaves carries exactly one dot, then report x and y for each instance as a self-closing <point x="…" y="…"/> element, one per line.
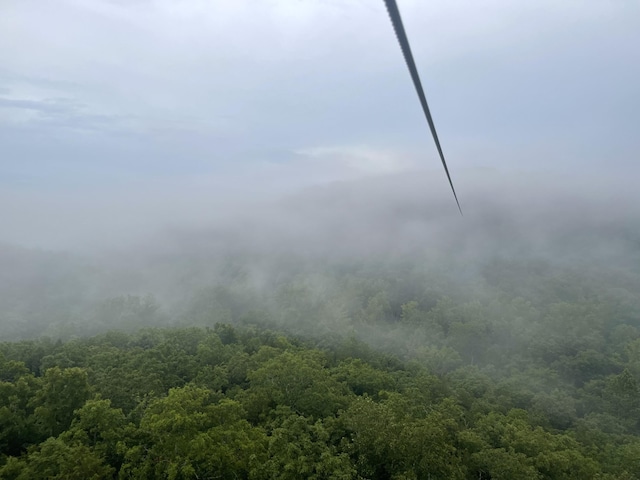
<point x="57" y="459"/>
<point x="87" y="450"/>
<point x="16" y="422"/>
<point x="62" y="392"/>
<point x="301" y="448"/>
<point x="385" y="442"/>
<point x="300" y="381"/>
<point x="190" y="434"/>
<point x="362" y="378"/>
<point x="243" y="403"/>
<point x="508" y="446"/>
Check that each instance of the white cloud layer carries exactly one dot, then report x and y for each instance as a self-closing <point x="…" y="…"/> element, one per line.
<point x="178" y="99"/>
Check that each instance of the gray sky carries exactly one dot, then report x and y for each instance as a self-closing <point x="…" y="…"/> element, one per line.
<point x="123" y="107"/>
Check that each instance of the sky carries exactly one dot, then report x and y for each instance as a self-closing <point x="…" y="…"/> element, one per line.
<point x="121" y="108"/>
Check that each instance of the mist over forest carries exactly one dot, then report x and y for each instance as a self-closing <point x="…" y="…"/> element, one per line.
<point x="357" y="329"/>
<point x="222" y="256"/>
<point x="516" y="236"/>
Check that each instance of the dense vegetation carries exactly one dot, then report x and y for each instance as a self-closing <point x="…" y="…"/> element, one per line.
<point x="385" y="372"/>
<point x="353" y="336"/>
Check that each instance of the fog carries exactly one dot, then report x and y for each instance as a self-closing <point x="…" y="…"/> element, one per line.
<point x="228" y="247"/>
<point x="162" y="160"/>
<point x="402" y="226"/>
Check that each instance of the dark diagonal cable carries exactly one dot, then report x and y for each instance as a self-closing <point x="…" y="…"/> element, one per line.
<point x="396" y="20"/>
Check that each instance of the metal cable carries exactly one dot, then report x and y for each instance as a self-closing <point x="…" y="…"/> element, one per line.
<point x="396" y="20"/>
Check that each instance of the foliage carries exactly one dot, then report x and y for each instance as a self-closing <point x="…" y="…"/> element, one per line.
<point x="357" y="372"/>
<point x="247" y="403"/>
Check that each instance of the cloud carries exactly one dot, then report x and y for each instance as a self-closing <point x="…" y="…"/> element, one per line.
<point x="359" y="160"/>
<point x="162" y="102"/>
<point x="53" y="113"/>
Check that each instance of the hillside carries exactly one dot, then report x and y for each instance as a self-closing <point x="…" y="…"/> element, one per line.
<point x="333" y="336"/>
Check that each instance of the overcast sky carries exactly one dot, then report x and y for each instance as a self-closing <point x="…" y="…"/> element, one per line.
<point x="175" y="99"/>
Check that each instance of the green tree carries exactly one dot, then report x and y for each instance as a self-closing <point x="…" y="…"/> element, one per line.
<point x="62" y="392"/>
<point x="300" y="381"/>
<point x="58" y="460"/>
<point x="301" y="448"/>
<point x="190" y="435"/>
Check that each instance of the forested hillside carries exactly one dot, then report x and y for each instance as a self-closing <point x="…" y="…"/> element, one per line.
<point x="236" y="243"/>
<point x="384" y="375"/>
<point x="382" y="343"/>
<point x="247" y="403"/>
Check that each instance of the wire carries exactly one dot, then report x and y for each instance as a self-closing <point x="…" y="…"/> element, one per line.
<point x="396" y="20"/>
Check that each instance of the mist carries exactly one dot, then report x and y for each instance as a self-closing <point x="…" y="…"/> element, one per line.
<point x="239" y="256"/>
<point x="228" y="248"/>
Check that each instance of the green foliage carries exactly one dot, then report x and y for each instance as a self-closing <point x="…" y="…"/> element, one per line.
<point x="300" y="381"/>
<point x="62" y="392"/>
<point x="301" y="448"/>
<point x="188" y="434"/>
<point x="56" y="459"/>
<point x="522" y="376"/>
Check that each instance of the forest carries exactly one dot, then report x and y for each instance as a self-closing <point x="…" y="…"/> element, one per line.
<point x="231" y="247"/>
<point x="378" y="346"/>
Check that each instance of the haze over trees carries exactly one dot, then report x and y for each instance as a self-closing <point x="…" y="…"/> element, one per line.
<point x="223" y="256"/>
<point x="337" y="334"/>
